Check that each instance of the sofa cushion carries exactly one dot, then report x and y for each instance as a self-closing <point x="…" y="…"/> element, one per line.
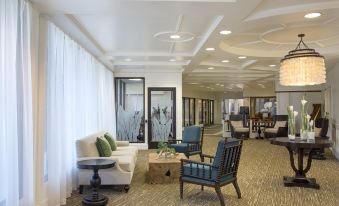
<point x="126" y="162"/>
<point x="129" y="148"/>
<point x="111" y="141"/>
<point x="86" y="147"/>
<point x="271" y="130"/>
<point x="241" y="129"/>
<point x="280" y="124"/>
<point x="103" y="147"/>
<point x="317" y="131"/>
<point x="236" y="124"/>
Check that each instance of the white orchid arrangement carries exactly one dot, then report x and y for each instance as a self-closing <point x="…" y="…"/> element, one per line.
<point x="307" y="124"/>
<point x="291" y="118"/>
<point x="305" y="118"/>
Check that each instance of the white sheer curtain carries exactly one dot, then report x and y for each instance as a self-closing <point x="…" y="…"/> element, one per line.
<point x="79" y="101"/>
<point x="16" y="139"/>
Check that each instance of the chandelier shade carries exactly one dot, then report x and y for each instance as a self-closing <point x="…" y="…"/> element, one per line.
<point x="302" y="66"/>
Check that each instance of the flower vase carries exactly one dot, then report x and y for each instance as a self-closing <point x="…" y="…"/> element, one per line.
<point x="310" y="136"/>
<point x="291" y="129"/>
<point x="303" y="134"/>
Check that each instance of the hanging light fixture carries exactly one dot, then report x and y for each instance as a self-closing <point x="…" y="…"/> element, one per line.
<point x="302" y="66"/>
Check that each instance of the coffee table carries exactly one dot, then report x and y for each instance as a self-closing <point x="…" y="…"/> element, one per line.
<point x="161" y="170"/>
<point x="95" y="164"/>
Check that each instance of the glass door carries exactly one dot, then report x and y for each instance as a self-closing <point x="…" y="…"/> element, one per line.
<point x="192" y="111"/>
<point x="211" y="112"/>
<point x="130" y="109"/>
<point x="161" y="115"/>
<point x="188" y="111"/>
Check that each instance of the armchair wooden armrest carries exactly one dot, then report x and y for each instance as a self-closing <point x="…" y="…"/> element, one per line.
<point x="186" y="161"/>
<point x="174" y="141"/>
<point x="211" y="157"/>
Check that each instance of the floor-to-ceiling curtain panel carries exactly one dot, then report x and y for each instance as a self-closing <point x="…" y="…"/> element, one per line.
<point x="16" y="138"/>
<point x="79" y="101"/>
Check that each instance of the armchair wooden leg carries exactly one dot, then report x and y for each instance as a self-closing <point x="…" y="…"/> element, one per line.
<point x="236" y="186"/>
<point x="202" y="158"/>
<point x="81" y="189"/>
<point x="221" y="198"/>
<point x="181" y="189"/>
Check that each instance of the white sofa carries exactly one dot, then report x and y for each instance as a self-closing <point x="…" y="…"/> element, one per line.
<point x="121" y="174"/>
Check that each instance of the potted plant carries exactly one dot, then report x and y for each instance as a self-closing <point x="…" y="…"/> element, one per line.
<point x="165" y="151"/>
<point x="304" y="121"/>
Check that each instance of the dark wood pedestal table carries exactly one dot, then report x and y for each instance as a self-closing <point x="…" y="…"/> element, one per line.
<point x="299" y="146"/>
<point x="95" y="164"/>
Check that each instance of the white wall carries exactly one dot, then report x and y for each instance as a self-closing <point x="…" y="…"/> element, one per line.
<point x="159" y="78"/>
<point x="333" y="86"/>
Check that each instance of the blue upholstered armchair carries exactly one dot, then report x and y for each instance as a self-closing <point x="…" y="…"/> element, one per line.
<point x="191" y="143"/>
<point x="221" y="170"/>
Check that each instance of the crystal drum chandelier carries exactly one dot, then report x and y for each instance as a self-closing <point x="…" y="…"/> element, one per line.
<point x="302" y="66"/>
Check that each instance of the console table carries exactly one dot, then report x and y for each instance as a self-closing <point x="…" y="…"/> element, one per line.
<point x="95" y="164"/>
<point x="299" y="146"/>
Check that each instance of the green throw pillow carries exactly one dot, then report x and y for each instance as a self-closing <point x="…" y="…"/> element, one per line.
<point x="103" y="147"/>
<point x="111" y="141"/>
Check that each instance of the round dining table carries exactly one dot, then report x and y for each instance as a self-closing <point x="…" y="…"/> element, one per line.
<point x="301" y="147"/>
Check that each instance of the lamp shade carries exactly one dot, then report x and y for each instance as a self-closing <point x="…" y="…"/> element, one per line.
<point x="302" y="67"/>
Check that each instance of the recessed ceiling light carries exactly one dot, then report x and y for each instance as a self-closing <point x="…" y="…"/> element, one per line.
<point x="242" y="57"/>
<point x="222" y="85"/>
<point x="193" y="83"/>
<point x="272" y="65"/>
<point x="312" y="15"/>
<point x="210" y="68"/>
<point x="225" y="61"/>
<point x="175" y="36"/>
<point x="210" y="49"/>
<point x="172" y="60"/>
<point x="225" y="32"/>
<point x="128" y="60"/>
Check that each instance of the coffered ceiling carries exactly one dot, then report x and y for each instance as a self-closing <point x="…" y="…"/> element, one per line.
<point x="136" y="34"/>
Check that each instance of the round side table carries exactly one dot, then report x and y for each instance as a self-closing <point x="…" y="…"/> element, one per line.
<point x="300" y="179"/>
<point x="95" y="164"/>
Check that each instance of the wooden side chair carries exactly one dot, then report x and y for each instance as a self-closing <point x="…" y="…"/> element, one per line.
<point x="191" y="143"/>
<point x="221" y="170"/>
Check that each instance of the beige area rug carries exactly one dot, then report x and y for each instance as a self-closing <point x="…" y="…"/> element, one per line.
<point x="262" y="167"/>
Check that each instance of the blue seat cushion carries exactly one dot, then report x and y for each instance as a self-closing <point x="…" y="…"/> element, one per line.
<point x="199" y="171"/>
<point x="181" y="148"/>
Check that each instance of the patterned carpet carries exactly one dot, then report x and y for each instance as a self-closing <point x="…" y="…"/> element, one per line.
<point x="262" y="167"/>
